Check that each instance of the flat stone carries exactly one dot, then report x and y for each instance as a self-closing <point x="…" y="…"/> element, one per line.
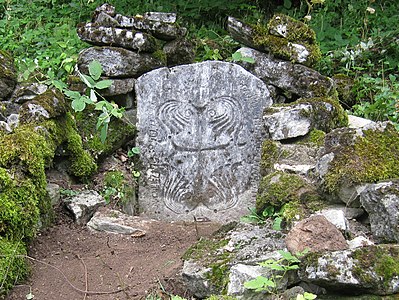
<point x="317" y="234"/>
<point x="242" y="33"/>
<point x="160" y="17"/>
<point x="179" y="52"/>
<point x="294" y="78"/>
<point x="118" y="62"/>
<point x="112" y="36"/>
<point x="113" y="221"/>
<point x="119" y="87"/>
<point x="335" y="216"/>
<point x="356" y="271"/>
<point x="200" y="132"/>
<point x="357" y="122"/>
<point x="54" y="192"/>
<point x="27" y="91"/>
<point x="359" y="241"/>
<point x="103" y="19"/>
<point x="161" y="30"/>
<point x="84" y="205"/>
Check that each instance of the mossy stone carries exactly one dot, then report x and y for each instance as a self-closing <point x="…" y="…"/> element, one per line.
<point x="269" y="156"/>
<point x="369" y="158"/>
<point x="13" y="266"/>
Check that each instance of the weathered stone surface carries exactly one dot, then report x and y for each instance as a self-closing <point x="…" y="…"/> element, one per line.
<point x="8" y="75"/>
<point x="243" y="33"/>
<point x="335" y="216"/>
<point x="119" y="87"/>
<point x="161" y="30"/>
<point x="370" y="269"/>
<point x="84" y="205"/>
<point x="54" y="192"/>
<point x="316" y="234"/>
<point x="357" y="122"/>
<point x="103" y="19"/>
<point x="353" y="157"/>
<point x="113" y="221"/>
<point x="48" y="105"/>
<point x="359" y="241"/>
<point x="112" y="36"/>
<point x="299" y="118"/>
<point x="8" y="108"/>
<point x="160" y="17"/>
<point x="295" y="158"/>
<point x="381" y="202"/>
<point x="199" y="131"/>
<point x="105" y="8"/>
<point x="179" y="52"/>
<point x="118" y="62"/>
<point x="4" y="127"/>
<point x="247" y="245"/>
<point x="27" y="91"/>
<point x="293" y="78"/>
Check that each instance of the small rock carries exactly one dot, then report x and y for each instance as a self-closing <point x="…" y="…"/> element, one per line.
<point x="359" y="241"/>
<point x="178" y="52"/>
<point x="54" y="192"/>
<point x="317" y="234"/>
<point x="335" y="216"/>
<point x="160" y="17"/>
<point x="84" y="205"/>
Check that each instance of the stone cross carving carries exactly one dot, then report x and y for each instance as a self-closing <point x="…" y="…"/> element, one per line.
<point x="200" y="134"/>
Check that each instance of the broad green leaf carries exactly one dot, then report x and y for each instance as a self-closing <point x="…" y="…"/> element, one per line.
<point x="236" y="56"/>
<point x="72" y="94"/>
<point x="309" y="296"/>
<point x="277" y="223"/>
<point x="59" y="85"/>
<point x="288" y="256"/>
<point x="103" y="84"/>
<point x="136" y="174"/>
<point x="86" y="99"/>
<point x="248" y="59"/>
<point x="259" y="283"/>
<point x="95" y="69"/>
<point x="103" y="133"/>
<point x="78" y="105"/>
<point x="135" y="150"/>
<point x="87" y="80"/>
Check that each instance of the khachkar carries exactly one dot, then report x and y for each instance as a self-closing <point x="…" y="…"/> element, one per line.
<point x="200" y="133"/>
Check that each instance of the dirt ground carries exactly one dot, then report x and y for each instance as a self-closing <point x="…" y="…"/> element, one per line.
<point x="68" y="260"/>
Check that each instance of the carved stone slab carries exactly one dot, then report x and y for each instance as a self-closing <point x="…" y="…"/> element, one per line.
<point x="200" y="133"/>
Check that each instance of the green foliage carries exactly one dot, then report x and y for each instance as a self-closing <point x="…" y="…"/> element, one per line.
<point x="378" y="98"/>
<point x="114" y="186"/>
<point x="279" y="268"/>
<point x="13" y="267"/>
<point x="269" y="212"/>
<point x="79" y="101"/>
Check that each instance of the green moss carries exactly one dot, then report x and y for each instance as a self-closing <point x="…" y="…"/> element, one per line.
<point x="118" y="132"/>
<point x="314" y="138"/>
<point x="381" y="259"/>
<point x="277" y="189"/>
<point x="370" y="158"/>
<point x="221" y="297"/>
<point x="296" y="32"/>
<point x="269" y="156"/>
<point x="13" y="267"/>
<point x="161" y="55"/>
<point x="323" y="118"/>
<point x="208" y="252"/>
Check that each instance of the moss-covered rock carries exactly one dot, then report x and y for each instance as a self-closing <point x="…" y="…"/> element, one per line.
<point x="8" y="75"/>
<point x="371" y="269"/>
<point x="13" y="267"/>
<point x="287" y="191"/>
<point x="356" y="156"/>
<point x="119" y="132"/>
<point x="344" y="85"/>
<point x="289" y="39"/>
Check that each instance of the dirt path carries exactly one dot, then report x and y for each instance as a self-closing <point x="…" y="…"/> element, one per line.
<point x="69" y="257"/>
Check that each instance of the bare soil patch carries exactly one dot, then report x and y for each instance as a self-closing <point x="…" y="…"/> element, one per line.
<point x="68" y="260"/>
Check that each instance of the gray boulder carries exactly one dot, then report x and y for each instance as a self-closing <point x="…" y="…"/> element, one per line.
<point x="381" y="202"/>
<point x="118" y="62"/>
<point x="292" y="78"/>
<point x="112" y="36"/>
<point x="8" y="108"/>
<point x="243" y="33"/>
<point x="84" y="205"/>
<point x="370" y="269"/>
<point x="179" y="52"/>
<point x="113" y="221"/>
<point x="8" y="75"/>
<point x="119" y="87"/>
<point x="298" y="119"/>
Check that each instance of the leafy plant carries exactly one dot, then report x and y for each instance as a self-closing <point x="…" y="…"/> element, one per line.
<point x="279" y="268"/>
<point x="133" y="154"/>
<point x="80" y="101"/>
<point x="268" y="212"/>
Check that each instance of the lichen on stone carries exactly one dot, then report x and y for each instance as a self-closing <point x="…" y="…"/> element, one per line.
<point x="371" y="157"/>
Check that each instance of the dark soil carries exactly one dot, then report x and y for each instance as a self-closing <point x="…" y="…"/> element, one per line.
<point x="66" y="260"/>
